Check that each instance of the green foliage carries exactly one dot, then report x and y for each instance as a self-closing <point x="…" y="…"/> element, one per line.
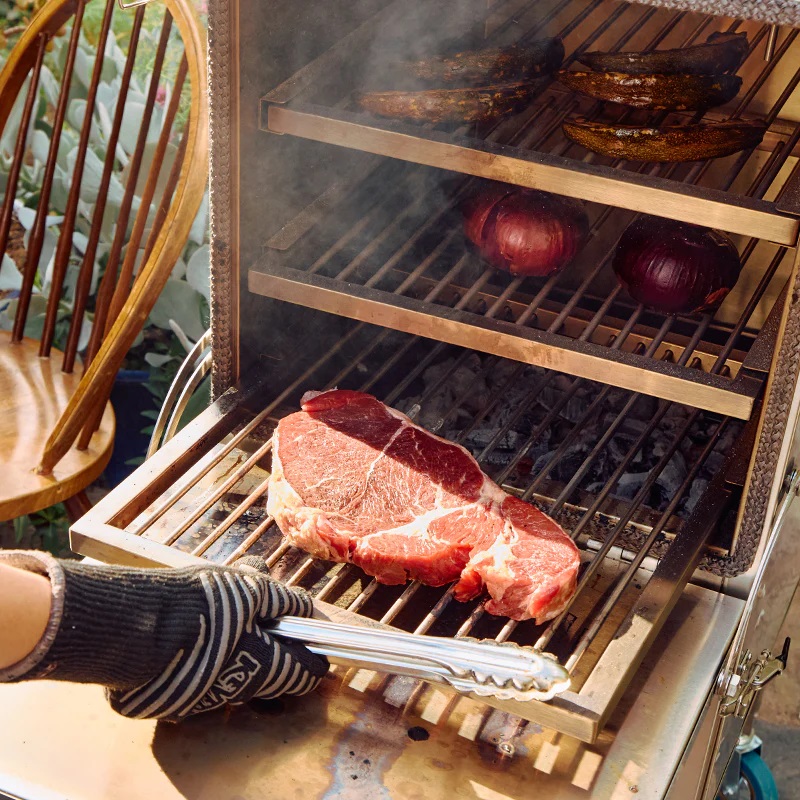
<point x="50" y="529"/>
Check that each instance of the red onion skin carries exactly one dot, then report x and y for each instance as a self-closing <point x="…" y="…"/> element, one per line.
<point x="477" y="208"/>
<point x="523" y="231"/>
<point x="674" y="267"/>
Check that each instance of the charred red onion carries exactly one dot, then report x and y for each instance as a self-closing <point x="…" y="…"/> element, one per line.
<point x="523" y="231"/>
<point x="674" y="267"/>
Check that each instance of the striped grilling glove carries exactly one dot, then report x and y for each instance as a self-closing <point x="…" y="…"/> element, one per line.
<point x="168" y="643"/>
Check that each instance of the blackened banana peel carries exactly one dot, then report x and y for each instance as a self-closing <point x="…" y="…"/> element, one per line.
<point x="669" y="143"/>
<point x="654" y="91"/>
<point x="721" y="52"/>
<point x="489" y="67"/>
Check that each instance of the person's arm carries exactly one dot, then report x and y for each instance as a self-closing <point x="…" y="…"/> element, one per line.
<point x="166" y="643"/>
<point x="24" y="612"/>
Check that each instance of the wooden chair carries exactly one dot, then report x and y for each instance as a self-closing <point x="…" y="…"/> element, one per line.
<point x="56" y="424"/>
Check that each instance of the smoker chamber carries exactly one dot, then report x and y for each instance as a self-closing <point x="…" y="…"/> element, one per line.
<point x="662" y="444"/>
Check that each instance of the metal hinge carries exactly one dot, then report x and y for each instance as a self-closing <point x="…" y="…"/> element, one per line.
<point x="751" y="676"/>
<point x="789" y="481"/>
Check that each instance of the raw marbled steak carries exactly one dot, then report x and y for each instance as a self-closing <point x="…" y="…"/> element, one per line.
<point x="354" y="480"/>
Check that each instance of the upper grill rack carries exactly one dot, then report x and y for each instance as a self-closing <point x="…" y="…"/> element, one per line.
<point x="206" y="496"/>
<point x="383" y="244"/>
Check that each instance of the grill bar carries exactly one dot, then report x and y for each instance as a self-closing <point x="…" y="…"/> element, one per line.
<point x="626" y="579"/>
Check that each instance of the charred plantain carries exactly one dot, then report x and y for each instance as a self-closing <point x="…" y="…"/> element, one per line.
<point x="490" y="67"/>
<point x="451" y="105"/>
<point x="721" y="52"/>
<point x="656" y="92"/>
<point x="666" y="144"/>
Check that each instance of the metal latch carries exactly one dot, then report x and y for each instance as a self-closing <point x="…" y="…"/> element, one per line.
<point x="751" y="676"/>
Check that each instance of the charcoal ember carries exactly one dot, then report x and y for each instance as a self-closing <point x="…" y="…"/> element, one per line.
<point x="630" y="428"/>
<point x="517" y="404"/>
<point x="644" y="408"/>
<point x="481" y="437"/>
<point x="712" y="464"/>
<point x="618" y="449"/>
<point x="573" y="410"/>
<point x="629" y="485"/>
<point x="668" y="482"/>
<point x="567" y="465"/>
<point x="512" y="392"/>
<point x="673" y="421"/>
<point x="498" y="458"/>
<point x="699" y="486"/>
<point x="514" y="377"/>
<point x="410" y="406"/>
<point x="538" y="448"/>
<point x="468" y="385"/>
<point x="456" y="394"/>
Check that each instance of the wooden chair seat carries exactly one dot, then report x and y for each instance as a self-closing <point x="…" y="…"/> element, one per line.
<point x="33" y="395"/>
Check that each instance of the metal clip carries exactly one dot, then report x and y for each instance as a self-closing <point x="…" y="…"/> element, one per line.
<point x="789" y="480"/>
<point x="751" y="676"/>
<point x="772" y="667"/>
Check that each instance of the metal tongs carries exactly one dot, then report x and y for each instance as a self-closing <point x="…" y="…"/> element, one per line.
<point x="484" y="668"/>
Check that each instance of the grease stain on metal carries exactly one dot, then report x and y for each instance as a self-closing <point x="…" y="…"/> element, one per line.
<point x="418" y="734"/>
<point x="366" y="750"/>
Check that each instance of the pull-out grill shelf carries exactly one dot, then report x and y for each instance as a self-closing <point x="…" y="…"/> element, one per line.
<point x="205" y="494"/>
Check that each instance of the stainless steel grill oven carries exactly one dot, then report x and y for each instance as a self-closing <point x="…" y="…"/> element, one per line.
<point x="664" y="445"/>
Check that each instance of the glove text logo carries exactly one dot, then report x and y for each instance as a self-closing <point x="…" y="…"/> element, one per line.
<point x="233" y="678"/>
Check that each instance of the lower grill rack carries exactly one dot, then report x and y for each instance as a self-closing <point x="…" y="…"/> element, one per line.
<point x="640" y="484"/>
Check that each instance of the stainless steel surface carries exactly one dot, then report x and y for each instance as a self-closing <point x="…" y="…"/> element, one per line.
<point x="643" y="651"/>
<point x="485" y="668"/>
<point x="751" y="661"/>
<point x="304" y="749"/>
<point x="690" y="775"/>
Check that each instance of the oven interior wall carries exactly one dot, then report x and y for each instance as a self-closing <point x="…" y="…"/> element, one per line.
<point x="280" y="175"/>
